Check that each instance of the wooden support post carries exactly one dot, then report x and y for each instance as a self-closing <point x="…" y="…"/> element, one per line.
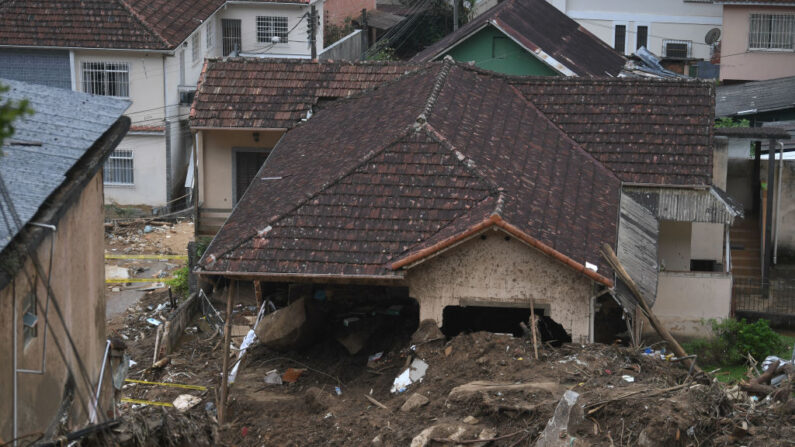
<point x="612" y="259"/>
<point x="227" y="337"/>
<point x="258" y="293"/>
<point x="534" y="327"/>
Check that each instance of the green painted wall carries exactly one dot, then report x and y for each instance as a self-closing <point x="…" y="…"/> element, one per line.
<point x="493" y="50"/>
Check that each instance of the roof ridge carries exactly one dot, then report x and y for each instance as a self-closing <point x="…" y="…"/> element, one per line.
<point x="441" y="79"/>
<point x="143" y="21"/>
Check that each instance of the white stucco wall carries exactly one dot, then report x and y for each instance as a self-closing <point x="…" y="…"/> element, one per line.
<point x="297" y="45"/>
<point x="685" y="300"/>
<point x="149" y="171"/>
<point x="706" y="241"/>
<point x="674" y="246"/>
<point x="499" y="273"/>
<point x="674" y="19"/>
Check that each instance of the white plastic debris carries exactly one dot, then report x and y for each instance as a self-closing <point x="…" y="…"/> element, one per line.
<point x="628" y="378"/>
<point x="154" y="321"/>
<point x="414" y="373"/>
<point x="251" y="337"/>
<point x="273" y="377"/>
<point x="186" y="401"/>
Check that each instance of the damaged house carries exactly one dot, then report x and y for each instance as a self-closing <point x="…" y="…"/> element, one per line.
<point x="473" y="192"/>
<point x="52" y="279"/>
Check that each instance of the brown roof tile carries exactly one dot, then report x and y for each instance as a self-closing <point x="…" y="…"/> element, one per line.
<point x="274" y="93"/>
<point x="537" y="24"/>
<point x="393" y="171"/>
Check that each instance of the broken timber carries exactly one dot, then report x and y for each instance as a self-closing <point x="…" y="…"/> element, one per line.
<point x="227" y="336"/>
<point x="612" y="259"/>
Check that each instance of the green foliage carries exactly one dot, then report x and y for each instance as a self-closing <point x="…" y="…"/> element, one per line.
<point x="384" y="54"/>
<point x="180" y="282"/>
<point x="201" y="245"/>
<point x="731" y="122"/>
<point x="734" y="340"/>
<point x="333" y="33"/>
<point x="10" y="111"/>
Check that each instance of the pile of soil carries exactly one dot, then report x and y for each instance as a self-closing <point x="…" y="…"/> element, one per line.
<point x="628" y="398"/>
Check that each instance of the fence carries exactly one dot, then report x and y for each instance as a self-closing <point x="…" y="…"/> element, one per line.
<point x="749" y="298"/>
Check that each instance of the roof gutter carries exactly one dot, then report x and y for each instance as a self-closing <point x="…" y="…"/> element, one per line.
<point x="53" y="47"/>
<point x="496" y="221"/>
<point x="293" y="277"/>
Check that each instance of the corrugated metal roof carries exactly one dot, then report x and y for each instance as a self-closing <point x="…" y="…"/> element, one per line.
<point x="755" y="97"/>
<point x="685" y="205"/>
<point x="47" y="144"/>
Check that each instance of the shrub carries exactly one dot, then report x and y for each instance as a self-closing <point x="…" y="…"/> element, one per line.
<point x="734" y="340"/>
<point x="179" y="284"/>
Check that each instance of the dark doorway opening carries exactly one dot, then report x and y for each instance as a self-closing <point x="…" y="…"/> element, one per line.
<point x="458" y="319"/>
<point x="609" y="323"/>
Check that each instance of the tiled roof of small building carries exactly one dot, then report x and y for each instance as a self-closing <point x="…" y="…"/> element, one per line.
<point x="391" y="174"/>
<point x="278" y="93"/>
<point x="537" y="25"/>
<point x="116" y="24"/>
<point x="646" y="131"/>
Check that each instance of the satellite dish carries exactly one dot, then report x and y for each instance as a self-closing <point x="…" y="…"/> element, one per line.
<point x="712" y="36"/>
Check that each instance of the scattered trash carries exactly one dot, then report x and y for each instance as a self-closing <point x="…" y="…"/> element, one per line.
<point x="160" y="307"/>
<point x="628" y="378"/>
<point x="154" y="321"/>
<point x="328" y="415"/>
<point x="769" y="360"/>
<point x="471" y="420"/>
<point x="148" y="229"/>
<point x="338" y="390"/>
<point x="273" y="377"/>
<point x="292" y="375"/>
<point x="373" y="360"/>
<point x="185" y="402"/>
<point x="414" y="373"/>
<point x="244" y="431"/>
<point x="566" y="413"/>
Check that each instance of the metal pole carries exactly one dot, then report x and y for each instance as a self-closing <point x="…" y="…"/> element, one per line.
<point x="95" y="404"/>
<point x="313" y="28"/>
<point x="225" y="368"/>
<point x="778" y="201"/>
<point x="455" y="15"/>
<point x="768" y="254"/>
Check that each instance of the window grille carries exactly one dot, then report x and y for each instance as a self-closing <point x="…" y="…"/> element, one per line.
<point x="210" y="34"/>
<point x="119" y="168"/>
<point x="106" y="78"/>
<point x="677" y="49"/>
<point x="230" y="35"/>
<point x="771" y="32"/>
<point x="269" y="27"/>
<point x="642" y="37"/>
<point x="620" y="36"/>
<point x="196" y="47"/>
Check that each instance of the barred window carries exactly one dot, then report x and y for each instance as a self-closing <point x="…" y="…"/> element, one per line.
<point x="677" y="49"/>
<point x="106" y="78"/>
<point x="269" y="27"/>
<point x="196" y="47"/>
<point x="619" y="38"/>
<point x="119" y="168"/>
<point x="211" y="33"/>
<point x="771" y="32"/>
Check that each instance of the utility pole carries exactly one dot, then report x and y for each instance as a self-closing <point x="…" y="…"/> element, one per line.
<point x="455" y="15"/>
<point x="313" y="23"/>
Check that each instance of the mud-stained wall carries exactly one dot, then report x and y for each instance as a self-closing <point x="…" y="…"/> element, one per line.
<point x="78" y="280"/>
<point x="686" y="300"/>
<point x="498" y="272"/>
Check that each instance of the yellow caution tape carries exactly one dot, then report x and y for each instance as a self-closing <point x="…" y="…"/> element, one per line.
<point x="124" y="281"/>
<point x="178" y="257"/>
<point x="146" y="402"/>
<point x="175" y="385"/>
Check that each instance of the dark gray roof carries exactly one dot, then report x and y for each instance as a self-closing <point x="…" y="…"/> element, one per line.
<point x="46" y="145"/>
<point x="756" y="96"/>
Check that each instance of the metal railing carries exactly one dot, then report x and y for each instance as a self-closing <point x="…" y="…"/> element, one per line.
<point x="750" y="295"/>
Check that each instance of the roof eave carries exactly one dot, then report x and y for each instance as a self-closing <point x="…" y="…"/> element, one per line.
<point x="388" y="278"/>
<point x="169" y="52"/>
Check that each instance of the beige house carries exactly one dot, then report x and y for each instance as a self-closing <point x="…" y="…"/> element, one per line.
<point x="759" y="40"/>
<point x="52" y="327"/>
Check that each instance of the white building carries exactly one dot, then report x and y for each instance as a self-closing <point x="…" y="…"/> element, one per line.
<point x="671" y="28"/>
<point x="153" y="55"/>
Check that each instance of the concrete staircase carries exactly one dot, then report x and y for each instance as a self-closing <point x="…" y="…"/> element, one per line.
<point x="745" y="248"/>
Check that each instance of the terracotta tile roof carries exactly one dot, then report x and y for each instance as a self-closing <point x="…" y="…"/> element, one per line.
<point x="646" y="131"/>
<point x="536" y="24"/>
<point x="272" y="93"/>
<point x="118" y="24"/>
<point x="372" y="181"/>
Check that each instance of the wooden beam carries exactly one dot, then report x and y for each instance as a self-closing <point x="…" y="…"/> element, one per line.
<point x="227" y="337"/>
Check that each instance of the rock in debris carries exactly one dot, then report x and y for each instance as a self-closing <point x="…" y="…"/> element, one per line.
<point x="427" y="331"/>
<point x="471" y="420"/>
<point x="286" y="328"/>
<point x="567" y="414"/>
<point x="413" y="402"/>
<point x="318" y="400"/>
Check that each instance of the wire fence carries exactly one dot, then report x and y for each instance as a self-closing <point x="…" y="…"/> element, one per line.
<point x="751" y="296"/>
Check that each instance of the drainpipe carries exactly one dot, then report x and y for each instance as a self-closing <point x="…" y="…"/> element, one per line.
<point x="15" y="416"/>
<point x="778" y="199"/>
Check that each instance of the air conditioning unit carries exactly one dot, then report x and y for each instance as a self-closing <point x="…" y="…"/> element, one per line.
<point x="677" y="49"/>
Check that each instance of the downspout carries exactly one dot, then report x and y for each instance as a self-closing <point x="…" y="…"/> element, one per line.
<point x="72" y="72"/>
<point x="14" y="362"/>
<point x="778" y="200"/>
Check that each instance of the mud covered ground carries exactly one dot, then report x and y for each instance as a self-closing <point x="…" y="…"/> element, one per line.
<point x="626" y="397"/>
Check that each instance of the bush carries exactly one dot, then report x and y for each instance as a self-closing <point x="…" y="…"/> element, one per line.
<point x="179" y="284"/>
<point x="734" y="340"/>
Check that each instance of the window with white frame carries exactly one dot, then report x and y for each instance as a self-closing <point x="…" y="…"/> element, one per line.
<point x="196" y="47"/>
<point x="771" y="32"/>
<point x="677" y="49"/>
<point x="210" y="33"/>
<point x="106" y="78"/>
<point x="118" y="169"/>
<point x="269" y="27"/>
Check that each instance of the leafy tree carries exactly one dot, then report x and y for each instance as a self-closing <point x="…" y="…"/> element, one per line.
<point x="730" y="122"/>
<point x="10" y="111"/>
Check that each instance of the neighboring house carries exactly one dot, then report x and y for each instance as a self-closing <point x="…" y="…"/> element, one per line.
<point x="242" y="109"/>
<point x="674" y="30"/>
<point x="336" y="12"/>
<point x="152" y="54"/>
<point x="758" y="41"/>
<point x="475" y="190"/>
<point x="529" y="38"/>
<point x="52" y="276"/>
